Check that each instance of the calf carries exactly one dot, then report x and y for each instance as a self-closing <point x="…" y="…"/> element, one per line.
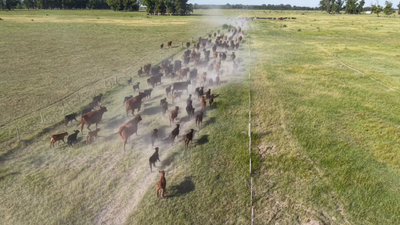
<point x="140" y="71"/>
<point x="72" y="138"/>
<point x="147" y="92"/>
<point x="189" y="100"/>
<point x="129" y="81"/>
<point x="199" y="119"/>
<point x="161" y="46"/>
<point x="127" y="98"/>
<point x="173" y="115"/>
<point x="168" y="90"/>
<point x="199" y="91"/>
<point x="208" y="94"/>
<point x="97" y="99"/>
<point x="174" y="133"/>
<point x="161" y="185"/>
<point x="162" y="101"/>
<point x="190" y="111"/>
<point x="57" y="137"/>
<point x="211" y="100"/>
<point x="154" y="136"/>
<point x="153" y="159"/>
<point x="86" y="110"/>
<point x="164" y="108"/>
<point x="136" y="87"/>
<point x="177" y="94"/>
<point x="71" y="117"/>
<point x="188" y="138"/>
<point x="203" y="103"/>
<point x="90" y="137"/>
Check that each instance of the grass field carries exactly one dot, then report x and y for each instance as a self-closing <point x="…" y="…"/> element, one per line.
<point x="325" y="93"/>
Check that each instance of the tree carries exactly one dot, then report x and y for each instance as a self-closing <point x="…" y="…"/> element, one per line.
<point x="354" y="7"/>
<point x="170" y="7"/>
<point x="9" y="4"/>
<point x="150" y="4"/>
<point x="388" y="10"/>
<point x="398" y="6"/>
<point x="338" y="6"/>
<point x="29" y="4"/>
<point x="180" y="6"/>
<point x="377" y="9"/>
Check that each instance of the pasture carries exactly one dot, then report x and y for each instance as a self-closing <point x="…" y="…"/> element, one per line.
<point x="324" y="111"/>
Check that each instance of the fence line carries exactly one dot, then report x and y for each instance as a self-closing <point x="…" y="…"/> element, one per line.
<point x="250" y="163"/>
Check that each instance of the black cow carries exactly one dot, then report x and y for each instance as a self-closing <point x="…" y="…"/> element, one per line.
<point x="180" y="86"/>
<point x="127" y="98"/>
<point x="72" y="138"/>
<point x="70" y="117"/>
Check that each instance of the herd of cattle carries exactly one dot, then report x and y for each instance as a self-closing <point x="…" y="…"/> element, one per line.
<point x="178" y="71"/>
<point x="274" y="18"/>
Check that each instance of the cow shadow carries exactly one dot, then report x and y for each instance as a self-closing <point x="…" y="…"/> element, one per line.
<point x="151" y="111"/>
<point x="168" y="161"/>
<point x="202" y="140"/>
<point x="210" y="121"/>
<point x="114" y="122"/>
<point x="184" y="187"/>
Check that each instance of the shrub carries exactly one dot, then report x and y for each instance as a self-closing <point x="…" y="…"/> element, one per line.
<point x="298" y="30"/>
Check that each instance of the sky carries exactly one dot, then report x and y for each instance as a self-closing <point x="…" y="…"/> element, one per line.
<point x="310" y="3"/>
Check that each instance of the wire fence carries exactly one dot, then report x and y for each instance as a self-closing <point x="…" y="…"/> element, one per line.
<point x="250" y="146"/>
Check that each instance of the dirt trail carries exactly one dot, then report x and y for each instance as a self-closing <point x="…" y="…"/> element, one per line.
<point x="140" y="179"/>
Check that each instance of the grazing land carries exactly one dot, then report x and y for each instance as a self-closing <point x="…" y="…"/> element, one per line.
<point x="324" y="101"/>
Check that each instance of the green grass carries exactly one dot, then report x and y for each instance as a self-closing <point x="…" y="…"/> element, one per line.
<point x="328" y="134"/>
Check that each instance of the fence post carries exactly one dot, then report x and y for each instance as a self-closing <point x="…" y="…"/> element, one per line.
<point x="18" y="137"/>
<point x="41" y="117"/>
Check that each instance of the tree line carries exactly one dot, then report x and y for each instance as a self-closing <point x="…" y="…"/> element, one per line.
<point x="355" y="7"/>
<point x="179" y="7"/>
<point x="255" y="7"/>
<point x="127" y="5"/>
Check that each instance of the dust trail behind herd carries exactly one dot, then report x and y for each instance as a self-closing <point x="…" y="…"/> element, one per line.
<point x="140" y="179"/>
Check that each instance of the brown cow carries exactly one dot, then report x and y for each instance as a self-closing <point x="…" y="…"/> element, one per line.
<point x="169" y="44"/>
<point x="188" y="138"/>
<point x="91" y="135"/>
<point x="203" y="103"/>
<point x="129" y="128"/>
<point x="134" y="103"/>
<point x="173" y="115"/>
<point x="161" y="185"/>
<point x="57" y="137"/>
<point x="93" y="117"/>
